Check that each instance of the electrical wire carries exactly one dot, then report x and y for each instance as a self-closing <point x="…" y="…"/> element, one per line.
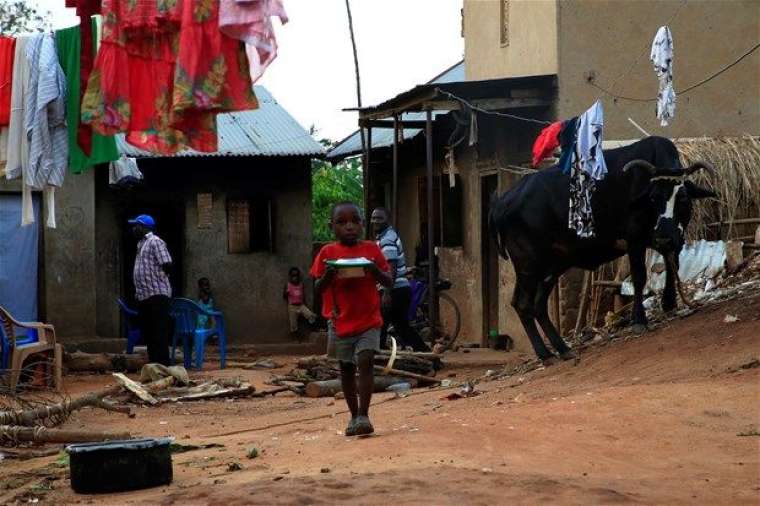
<point x="491" y="113"/>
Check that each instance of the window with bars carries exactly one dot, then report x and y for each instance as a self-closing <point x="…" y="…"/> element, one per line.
<point x="504" y="22"/>
<point x="250" y="225"/>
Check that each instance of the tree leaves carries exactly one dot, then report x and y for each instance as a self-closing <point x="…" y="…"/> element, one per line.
<point x="17" y="17"/>
<point x="331" y="184"/>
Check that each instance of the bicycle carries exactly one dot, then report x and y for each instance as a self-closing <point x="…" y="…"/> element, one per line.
<point x="446" y="329"/>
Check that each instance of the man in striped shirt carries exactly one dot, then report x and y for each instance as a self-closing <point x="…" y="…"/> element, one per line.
<point x="395" y="301"/>
<point x="152" y="288"/>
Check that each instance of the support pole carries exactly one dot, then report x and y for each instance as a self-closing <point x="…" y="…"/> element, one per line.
<point x="432" y="309"/>
<point x="367" y="183"/>
<point x="394" y="202"/>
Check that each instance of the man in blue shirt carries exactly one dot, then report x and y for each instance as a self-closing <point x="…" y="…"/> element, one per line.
<point x="395" y="301"/>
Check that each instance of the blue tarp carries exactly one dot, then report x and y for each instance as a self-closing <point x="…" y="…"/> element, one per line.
<point x="18" y="259"/>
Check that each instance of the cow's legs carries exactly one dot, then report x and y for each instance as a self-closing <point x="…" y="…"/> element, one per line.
<point x="545" y="287"/>
<point x="669" y="294"/>
<point x="639" y="276"/>
<point x="523" y="301"/>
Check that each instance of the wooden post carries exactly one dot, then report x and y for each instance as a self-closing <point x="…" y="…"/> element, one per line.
<point x="394" y="202"/>
<point x="368" y="184"/>
<point x="430" y="228"/>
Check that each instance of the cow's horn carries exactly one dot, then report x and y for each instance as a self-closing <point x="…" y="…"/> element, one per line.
<point x="694" y="167"/>
<point x="640" y="163"/>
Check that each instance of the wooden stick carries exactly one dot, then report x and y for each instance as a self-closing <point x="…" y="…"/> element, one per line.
<point x="606" y="283"/>
<point x="742" y="221"/>
<point x="582" y="308"/>
<point x="404" y="374"/>
<point x="15" y="433"/>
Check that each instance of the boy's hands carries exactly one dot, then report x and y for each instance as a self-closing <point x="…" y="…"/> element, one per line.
<point x="382" y="277"/>
<point x="326" y="279"/>
<point x="330" y="273"/>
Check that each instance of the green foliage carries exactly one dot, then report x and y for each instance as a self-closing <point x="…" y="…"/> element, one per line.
<point x="17" y="16"/>
<point x="329" y="185"/>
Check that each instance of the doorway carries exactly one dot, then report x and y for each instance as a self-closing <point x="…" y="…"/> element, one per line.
<point x="170" y="226"/>
<point x="490" y="259"/>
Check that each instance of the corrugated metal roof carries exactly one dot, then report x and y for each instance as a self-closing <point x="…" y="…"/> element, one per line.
<point x="266" y="131"/>
<point x="352" y="144"/>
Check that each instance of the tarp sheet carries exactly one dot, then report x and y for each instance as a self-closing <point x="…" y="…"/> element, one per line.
<point x="698" y="260"/>
<point x="18" y="259"/>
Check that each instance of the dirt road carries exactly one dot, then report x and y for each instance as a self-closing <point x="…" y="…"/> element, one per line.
<point x="672" y="417"/>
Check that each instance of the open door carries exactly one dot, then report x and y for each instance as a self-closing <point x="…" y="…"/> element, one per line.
<point x="490" y="260"/>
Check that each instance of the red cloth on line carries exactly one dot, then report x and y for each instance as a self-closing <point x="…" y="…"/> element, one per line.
<point x="546" y="142"/>
<point x="7" y="52"/>
<point x="356" y="300"/>
<point x="162" y="74"/>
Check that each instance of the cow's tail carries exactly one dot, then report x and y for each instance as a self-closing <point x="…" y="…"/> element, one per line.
<point x="498" y="215"/>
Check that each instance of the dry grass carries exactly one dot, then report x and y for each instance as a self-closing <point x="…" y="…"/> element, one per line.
<point x="737" y="160"/>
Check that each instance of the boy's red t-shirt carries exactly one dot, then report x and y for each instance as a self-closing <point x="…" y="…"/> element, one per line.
<point x="356" y="300"/>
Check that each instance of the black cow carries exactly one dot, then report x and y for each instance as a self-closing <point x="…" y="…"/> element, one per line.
<point x="643" y="202"/>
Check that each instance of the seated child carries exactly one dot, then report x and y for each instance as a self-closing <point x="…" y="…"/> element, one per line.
<point x="294" y="296"/>
<point x="353" y="306"/>
<point x="206" y="301"/>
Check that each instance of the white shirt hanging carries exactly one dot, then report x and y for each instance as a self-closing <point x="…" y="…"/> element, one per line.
<point x="124" y="172"/>
<point x="661" y="57"/>
<point x="590" y="135"/>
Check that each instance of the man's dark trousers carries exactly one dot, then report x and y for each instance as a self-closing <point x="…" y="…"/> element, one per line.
<point x="154" y="327"/>
<point x="398" y="314"/>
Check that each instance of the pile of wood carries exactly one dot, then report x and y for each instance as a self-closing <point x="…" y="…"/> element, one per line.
<point x="319" y="376"/>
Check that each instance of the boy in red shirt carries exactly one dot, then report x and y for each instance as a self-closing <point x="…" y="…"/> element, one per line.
<point x="353" y="306"/>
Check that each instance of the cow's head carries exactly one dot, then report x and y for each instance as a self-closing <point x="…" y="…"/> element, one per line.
<point x="667" y="195"/>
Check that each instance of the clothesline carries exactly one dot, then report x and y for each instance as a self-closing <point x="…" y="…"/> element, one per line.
<point x="687" y="89"/>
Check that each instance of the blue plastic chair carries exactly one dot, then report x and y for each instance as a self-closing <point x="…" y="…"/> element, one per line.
<point x="131" y="327"/>
<point x="185" y="313"/>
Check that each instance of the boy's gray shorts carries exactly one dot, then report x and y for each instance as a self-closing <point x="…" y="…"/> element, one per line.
<point x="347" y="349"/>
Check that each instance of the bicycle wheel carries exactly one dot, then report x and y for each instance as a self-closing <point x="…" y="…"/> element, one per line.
<point x="449" y="319"/>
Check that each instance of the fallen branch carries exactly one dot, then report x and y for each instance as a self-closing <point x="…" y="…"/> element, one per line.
<point x="329" y="388"/>
<point x="63" y="409"/>
<point x="102" y="362"/>
<point x="405" y="374"/>
<point x="29" y="453"/>
<point x="12" y="433"/>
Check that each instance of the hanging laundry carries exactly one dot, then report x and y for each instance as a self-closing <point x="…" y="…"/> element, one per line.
<point x="7" y="50"/>
<point x="661" y="57"/>
<point x="45" y="121"/>
<point x="587" y="167"/>
<point x="163" y="72"/>
<point x="546" y="142"/>
<point x="251" y="22"/>
<point x="85" y="9"/>
<point x="124" y="173"/>
<point x="18" y="143"/>
<point x="103" y="148"/>
<point x="589" y="141"/>
<point x="567" y="138"/>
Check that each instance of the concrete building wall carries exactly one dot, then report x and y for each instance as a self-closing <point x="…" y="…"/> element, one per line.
<point x="611" y="40"/>
<point x="248" y="287"/>
<point x="531" y="48"/>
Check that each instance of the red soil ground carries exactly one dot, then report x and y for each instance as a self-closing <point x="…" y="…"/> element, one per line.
<point x="651" y="420"/>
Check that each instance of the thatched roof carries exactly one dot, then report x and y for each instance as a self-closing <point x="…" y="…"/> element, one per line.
<point x="737" y="160"/>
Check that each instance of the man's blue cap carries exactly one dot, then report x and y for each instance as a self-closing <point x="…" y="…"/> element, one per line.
<point x="144" y="220"/>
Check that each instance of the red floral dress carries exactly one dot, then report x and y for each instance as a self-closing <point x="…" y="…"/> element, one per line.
<point x="163" y="72"/>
